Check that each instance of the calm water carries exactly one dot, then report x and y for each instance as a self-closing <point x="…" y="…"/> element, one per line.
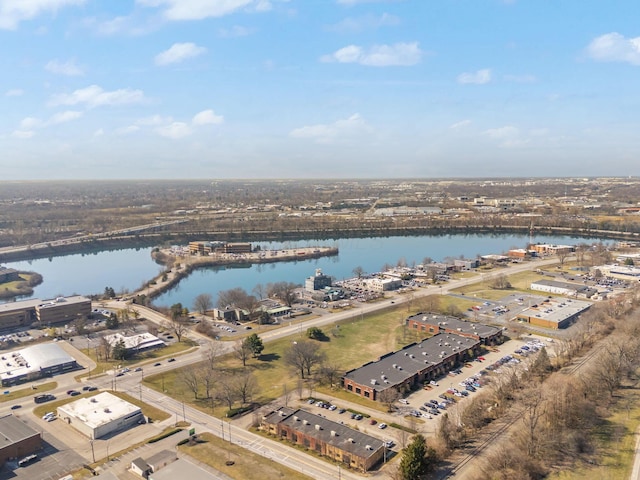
<point x="130" y="268"/>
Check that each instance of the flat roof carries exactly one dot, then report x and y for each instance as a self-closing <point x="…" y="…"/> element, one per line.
<point x="13" y="430"/>
<point x="396" y="367"/>
<point x="35" y="358"/>
<point x="100" y="409"/>
<point x="60" y="301"/>
<point x="139" y="341"/>
<point x="454" y="323"/>
<point x="182" y="468"/>
<point x="330" y="432"/>
<point x="17" y="306"/>
<point x="566" y="285"/>
<point x="557" y="311"/>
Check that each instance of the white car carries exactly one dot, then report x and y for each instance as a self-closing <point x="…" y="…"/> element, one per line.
<point x="434" y="383"/>
<point x="382" y="426"/>
<point x="404" y="400"/>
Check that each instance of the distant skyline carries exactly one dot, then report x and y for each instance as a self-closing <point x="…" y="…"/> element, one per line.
<point x="173" y="89"/>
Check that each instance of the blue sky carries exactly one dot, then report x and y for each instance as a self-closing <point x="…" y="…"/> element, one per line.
<point x="115" y="89"/>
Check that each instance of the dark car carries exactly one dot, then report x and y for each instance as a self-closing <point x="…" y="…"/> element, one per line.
<point x="157" y="364"/>
<point x="171" y="360"/>
<point x="92" y="389"/>
<point x="15" y="407"/>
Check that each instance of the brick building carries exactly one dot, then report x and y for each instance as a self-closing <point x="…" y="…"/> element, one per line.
<point x="433" y="323"/>
<point x="17" y="439"/>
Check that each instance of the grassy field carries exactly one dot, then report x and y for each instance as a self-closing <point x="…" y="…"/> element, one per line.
<point x="348" y="345"/>
<point x="27" y="392"/>
<point x="215" y="452"/>
<point x="170" y="350"/>
<point x="615" y="443"/>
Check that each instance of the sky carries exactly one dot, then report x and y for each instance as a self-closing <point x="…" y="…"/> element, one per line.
<point x="199" y="89"/>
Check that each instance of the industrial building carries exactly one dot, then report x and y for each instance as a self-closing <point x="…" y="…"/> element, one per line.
<point x="384" y="284"/>
<point x="17" y="439"/>
<point x="36" y="361"/>
<point x="100" y="415"/>
<point x="563" y="288"/>
<point x="553" y="313"/>
<point x="433" y="323"/>
<point x="182" y="468"/>
<point x="412" y="366"/>
<point x="337" y="441"/>
<point x="44" y="312"/>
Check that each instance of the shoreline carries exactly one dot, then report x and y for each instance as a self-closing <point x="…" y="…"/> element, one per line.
<point x="183" y="266"/>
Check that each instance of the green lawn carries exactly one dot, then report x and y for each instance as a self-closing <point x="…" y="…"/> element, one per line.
<point x="28" y="392"/>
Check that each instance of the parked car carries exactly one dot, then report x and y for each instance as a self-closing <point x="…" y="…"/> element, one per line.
<point x="382" y="426"/>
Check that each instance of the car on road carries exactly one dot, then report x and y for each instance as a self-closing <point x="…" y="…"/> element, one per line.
<point x="157" y="364"/>
<point x="15" y="407"/>
<point x="138" y="369"/>
<point x="47" y="397"/>
<point x="171" y="360"/>
<point x="74" y="393"/>
<point x="382" y="426"/>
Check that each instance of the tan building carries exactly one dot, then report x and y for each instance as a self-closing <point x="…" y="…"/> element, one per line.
<point x="63" y="310"/>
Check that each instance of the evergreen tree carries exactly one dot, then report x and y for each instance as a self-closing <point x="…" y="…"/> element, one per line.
<point x="120" y="351"/>
<point x="413" y="464"/>
<point x="254" y="344"/>
<point x="112" y="321"/>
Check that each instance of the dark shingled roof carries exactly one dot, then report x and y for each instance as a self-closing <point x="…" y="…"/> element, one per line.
<point x="336" y="434"/>
<point x="13" y="430"/>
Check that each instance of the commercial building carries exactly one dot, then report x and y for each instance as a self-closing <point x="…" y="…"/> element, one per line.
<point x="353" y="448"/>
<point x="319" y="281"/>
<point x="136" y="343"/>
<point x="35" y="362"/>
<point x="384" y="284"/>
<point x="236" y="248"/>
<point x="45" y="312"/>
<point x="17" y="439"/>
<point x="100" y="415"/>
<point x="433" y="323"/>
<point x="153" y="464"/>
<point x="622" y="272"/>
<point x="553" y="313"/>
<point x="63" y="310"/>
<point x="412" y="366"/>
<point x="548" y="249"/>
<point x="182" y="468"/>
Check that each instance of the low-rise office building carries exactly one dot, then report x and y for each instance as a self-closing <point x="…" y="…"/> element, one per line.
<point x="100" y="415"/>
<point x="44" y="312"/>
<point x="136" y="343"/>
<point x="563" y="288"/>
<point x="337" y="441"/>
<point x="412" y="366"/>
<point x="433" y="323"/>
<point x="384" y="284"/>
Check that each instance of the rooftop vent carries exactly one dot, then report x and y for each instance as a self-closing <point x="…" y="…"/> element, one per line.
<point x="369" y="447"/>
<point x="333" y="433"/>
<point x="296" y="418"/>
<point x="351" y="440"/>
<point x="306" y="422"/>
<point x="318" y="427"/>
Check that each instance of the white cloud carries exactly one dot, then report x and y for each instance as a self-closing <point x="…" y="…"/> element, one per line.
<point x="613" y="47"/>
<point x="154" y="120"/>
<point x="200" y="9"/>
<point x="30" y="123"/>
<point x="234" y="32"/>
<point x="358" y="24"/>
<point x="175" y="130"/>
<point x="526" y="78"/>
<point x="64" y="117"/>
<point x="94" y="96"/>
<point x="15" y="92"/>
<point x="207" y="117"/>
<point x="68" y="68"/>
<point x="98" y="133"/>
<point x="22" y="133"/>
<point x="12" y="12"/>
<point x="398" y="54"/>
<point x="127" y="130"/>
<point x="179" y="52"/>
<point x="479" y="78"/>
<point x="502" y="132"/>
<point x="460" y="124"/>
<point x="324" y="133"/>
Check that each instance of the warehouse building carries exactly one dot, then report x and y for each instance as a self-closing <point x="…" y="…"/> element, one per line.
<point x="553" y="313"/>
<point x="37" y="361"/>
<point x="412" y="366"/>
<point x="563" y="288"/>
<point x="100" y="415"/>
<point x="17" y="439"/>
<point x="337" y="441"/>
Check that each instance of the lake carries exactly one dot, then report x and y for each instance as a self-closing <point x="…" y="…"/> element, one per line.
<point x="128" y="269"/>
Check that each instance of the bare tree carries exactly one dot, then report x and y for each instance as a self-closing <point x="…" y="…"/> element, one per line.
<point x="203" y="303"/>
<point x="242" y="351"/>
<point x="283" y="291"/>
<point x="245" y="386"/>
<point x="190" y="378"/>
<point x="388" y="397"/>
<point x="303" y="355"/>
<point x="358" y="272"/>
<point x="227" y="391"/>
<point x="178" y="326"/>
<point x="330" y="373"/>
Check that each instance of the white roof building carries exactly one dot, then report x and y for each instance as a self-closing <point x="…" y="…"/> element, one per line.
<point x="137" y="342"/>
<point x="101" y="414"/>
<point x="33" y="362"/>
